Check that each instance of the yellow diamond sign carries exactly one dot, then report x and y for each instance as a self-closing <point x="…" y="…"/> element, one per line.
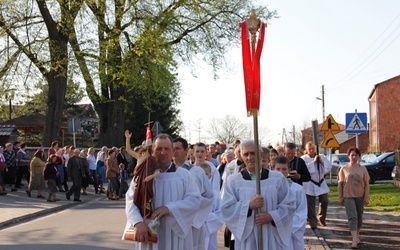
<point x="330" y="141"/>
<point x="330" y="124"/>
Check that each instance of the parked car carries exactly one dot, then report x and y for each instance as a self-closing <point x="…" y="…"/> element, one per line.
<point x="338" y="160"/>
<point x="381" y="168"/>
<point x="368" y="158"/>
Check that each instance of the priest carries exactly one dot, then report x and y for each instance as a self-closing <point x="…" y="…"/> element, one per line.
<point x="240" y="202"/>
<point x="175" y="202"/>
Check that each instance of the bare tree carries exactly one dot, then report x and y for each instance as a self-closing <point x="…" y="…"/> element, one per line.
<point x="228" y="129"/>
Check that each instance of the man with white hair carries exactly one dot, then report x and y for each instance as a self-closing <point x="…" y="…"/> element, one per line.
<point x="239" y="202"/>
<point x="76" y="170"/>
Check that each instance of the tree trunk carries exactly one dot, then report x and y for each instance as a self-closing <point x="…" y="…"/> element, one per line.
<point x="57" y="74"/>
<point x="55" y="107"/>
<point x="111" y="116"/>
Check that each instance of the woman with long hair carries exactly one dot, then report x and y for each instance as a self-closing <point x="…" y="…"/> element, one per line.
<point x="36" y="181"/>
<point x="112" y="172"/>
<point x="50" y="174"/>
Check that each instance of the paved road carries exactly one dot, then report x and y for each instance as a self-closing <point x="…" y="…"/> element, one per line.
<point x="97" y="223"/>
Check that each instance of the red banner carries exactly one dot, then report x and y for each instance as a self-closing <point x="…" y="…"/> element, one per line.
<point x="251" y="67"/>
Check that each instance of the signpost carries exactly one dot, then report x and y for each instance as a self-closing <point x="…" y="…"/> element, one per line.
<point x="356" y="123"/>
<point x="330" y="140"/>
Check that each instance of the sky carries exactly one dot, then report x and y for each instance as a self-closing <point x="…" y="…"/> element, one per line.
<point x="346" y="45"/>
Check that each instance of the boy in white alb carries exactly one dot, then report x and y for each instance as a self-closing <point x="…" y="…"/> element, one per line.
<point x="214" y="221"/>
<point x="300" y="214"/>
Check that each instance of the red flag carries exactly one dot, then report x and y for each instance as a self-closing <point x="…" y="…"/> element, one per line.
<point x="148" y="137"/>
<point x="251" y="67"/>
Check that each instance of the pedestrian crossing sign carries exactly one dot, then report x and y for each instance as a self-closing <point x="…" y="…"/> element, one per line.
<point x="356" y="123"/>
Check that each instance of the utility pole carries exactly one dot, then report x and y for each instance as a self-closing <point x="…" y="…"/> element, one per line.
<point x="323" y="103"/>
<point x="322" y="98"/>
<point x="294" y="134"/>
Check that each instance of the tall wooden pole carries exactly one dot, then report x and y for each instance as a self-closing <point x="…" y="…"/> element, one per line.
<point x="258" y="179"/>
<point x="253" y="26"/>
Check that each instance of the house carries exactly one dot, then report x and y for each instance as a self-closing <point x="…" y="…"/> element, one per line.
<point x="384" y="110"/>
<point x="8" y="133"/>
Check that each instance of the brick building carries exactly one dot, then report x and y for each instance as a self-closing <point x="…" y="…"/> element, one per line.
<point x="384" y="110"/>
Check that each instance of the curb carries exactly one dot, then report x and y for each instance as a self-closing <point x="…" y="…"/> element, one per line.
<point x="32" y="216"/>
<point x="321" y="239"/>
<point x="43" y="212"/>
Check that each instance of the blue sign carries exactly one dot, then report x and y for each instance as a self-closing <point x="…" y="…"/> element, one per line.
<point x="356" y="123"/>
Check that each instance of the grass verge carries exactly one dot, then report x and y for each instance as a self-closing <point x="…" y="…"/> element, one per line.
<point x="384" y="197"/>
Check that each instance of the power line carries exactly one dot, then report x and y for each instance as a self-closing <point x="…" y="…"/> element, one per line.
<point x="370" y="55"/>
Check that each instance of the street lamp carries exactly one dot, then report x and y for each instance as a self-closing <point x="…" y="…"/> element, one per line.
<point x="10" y="96"/>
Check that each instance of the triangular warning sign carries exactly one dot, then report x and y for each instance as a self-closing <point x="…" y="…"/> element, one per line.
<point x="356" y="124"/>
<point x="330" y="124"/>
<point x="330" y="141"/>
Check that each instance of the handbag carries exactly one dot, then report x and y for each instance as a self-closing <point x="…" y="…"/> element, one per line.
<point x="3" y="165"/>
<point x="130" y="234"/>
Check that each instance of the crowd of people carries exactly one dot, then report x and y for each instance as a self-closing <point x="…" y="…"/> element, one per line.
<point x="53" y="170"/>
<point x="181" y="195"/>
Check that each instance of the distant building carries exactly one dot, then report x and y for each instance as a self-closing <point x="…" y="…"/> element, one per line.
<point x="384" y="110"/>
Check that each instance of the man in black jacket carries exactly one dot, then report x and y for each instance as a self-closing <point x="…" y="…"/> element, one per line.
<point x="296" y="163"/>
<point x="77" y="169"/>
<point x="121" y="158"/>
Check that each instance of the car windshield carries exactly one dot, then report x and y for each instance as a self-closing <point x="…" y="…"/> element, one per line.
<point x="343" y="158"/>
<point x="379" y="158"/>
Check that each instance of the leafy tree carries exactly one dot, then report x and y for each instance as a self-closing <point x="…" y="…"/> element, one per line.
<point x="122" y="48"/>
<point x="144" y="37"/>
<point x="43" y="53"/>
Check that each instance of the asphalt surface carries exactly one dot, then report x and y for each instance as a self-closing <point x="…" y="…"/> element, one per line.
<point x="17" y="207"/>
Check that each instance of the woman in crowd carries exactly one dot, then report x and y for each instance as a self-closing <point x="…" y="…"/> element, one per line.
<point x="3" y="167"/>
<point x="66" y="155"/>
<point x="92" y="168"/>
<point x="101" y="167"/>
<point x="112" y="173"/>
<point x="353" y="189"/>
<point x="36" y="181"/>
<point x="273" y="153"/>
<point x="85" y="181"/>
<point x="50" y="174"/>
<point x="60" y="169"/>
<point x="11" y="170"/>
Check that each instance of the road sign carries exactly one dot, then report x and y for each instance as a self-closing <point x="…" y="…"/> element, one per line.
<point x="356" y="123"/>
<point x="330" y="124"/>
<point x="330" y="141"/>
<point x="157" y="128"/>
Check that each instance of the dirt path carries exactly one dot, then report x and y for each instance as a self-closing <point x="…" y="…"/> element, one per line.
<point x="381" y="230"/>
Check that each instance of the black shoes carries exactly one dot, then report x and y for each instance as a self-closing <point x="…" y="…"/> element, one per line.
<point x="40" y="196"/>
<point x="68" y="196"/>
<point x="28" y="193"/>
<point x="77" y="200"/>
